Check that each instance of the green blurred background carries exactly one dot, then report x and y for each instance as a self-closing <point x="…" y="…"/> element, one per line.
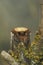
<point x="15" y="13"/>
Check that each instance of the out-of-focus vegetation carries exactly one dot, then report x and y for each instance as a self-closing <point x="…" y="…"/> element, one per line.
<point x="36" y="51"/>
